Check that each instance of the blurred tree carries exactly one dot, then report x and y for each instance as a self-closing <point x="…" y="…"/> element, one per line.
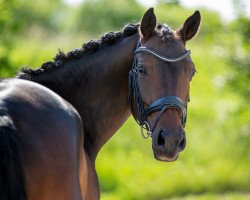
<point x="239" y="58"/>
<point x="19" y="15"/>
<point x="104" y="15"/>
<point x="175" y="2"/>
<point x="239" y="79"/>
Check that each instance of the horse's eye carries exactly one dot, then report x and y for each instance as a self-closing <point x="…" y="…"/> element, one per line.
<point x="192" y="74"/>
<point x="142" y="70"/>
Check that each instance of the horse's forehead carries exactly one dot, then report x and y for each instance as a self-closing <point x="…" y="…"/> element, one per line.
<point x="168" y="46"/>
<point x="166" y="38"/>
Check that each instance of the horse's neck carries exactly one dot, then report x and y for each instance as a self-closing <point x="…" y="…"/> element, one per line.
<point x="98" y="89"/>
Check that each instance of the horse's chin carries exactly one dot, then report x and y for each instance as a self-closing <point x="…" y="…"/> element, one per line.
<point x="164" y="158"/>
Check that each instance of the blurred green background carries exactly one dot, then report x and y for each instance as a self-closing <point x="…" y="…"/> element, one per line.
<point x="216" y="161"/>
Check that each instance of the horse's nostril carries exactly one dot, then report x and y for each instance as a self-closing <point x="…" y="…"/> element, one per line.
<point x="182" y="143"/>
<point x="161" y="139"/>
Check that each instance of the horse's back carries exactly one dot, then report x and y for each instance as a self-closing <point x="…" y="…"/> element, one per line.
<point x="49" y="135"/>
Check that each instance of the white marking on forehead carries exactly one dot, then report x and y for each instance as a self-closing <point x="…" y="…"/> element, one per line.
<point x="166" y="30"/>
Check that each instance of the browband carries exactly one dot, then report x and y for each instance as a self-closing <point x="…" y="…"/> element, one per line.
<point x="162" y="58"/>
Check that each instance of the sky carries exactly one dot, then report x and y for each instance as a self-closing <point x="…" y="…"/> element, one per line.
<point x="224" y="7"/>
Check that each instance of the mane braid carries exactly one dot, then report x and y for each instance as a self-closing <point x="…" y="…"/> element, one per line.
<point x="62" y="58"/>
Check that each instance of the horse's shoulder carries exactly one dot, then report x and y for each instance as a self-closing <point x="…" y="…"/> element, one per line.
<point x="32" y="100"/>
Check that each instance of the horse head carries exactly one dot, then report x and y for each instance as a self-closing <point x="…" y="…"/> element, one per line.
<point x="160" y="77"/>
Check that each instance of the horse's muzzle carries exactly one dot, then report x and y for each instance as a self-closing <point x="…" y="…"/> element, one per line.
<point x="167" y="145"/>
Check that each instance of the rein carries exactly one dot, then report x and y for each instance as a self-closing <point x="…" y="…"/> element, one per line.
<point x="160" y="104"/>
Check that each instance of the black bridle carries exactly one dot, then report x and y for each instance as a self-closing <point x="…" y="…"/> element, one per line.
<point x="160" y="104"/>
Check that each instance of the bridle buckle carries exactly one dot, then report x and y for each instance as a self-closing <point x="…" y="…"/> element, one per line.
<point x="145" y="126"/>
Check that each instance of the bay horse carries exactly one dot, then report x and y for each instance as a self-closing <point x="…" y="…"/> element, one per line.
<point x="58" y="117"/>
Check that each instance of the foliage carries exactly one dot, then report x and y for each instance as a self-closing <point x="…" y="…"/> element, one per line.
<point x="240" y="58"/>
<point x="215" y="163"/>
<point x="93" y="18"/>
<point x="18" y="16"/>
<point x="175" y="2"/>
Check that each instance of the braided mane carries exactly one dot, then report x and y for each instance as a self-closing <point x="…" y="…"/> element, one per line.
<point x="62" y="58"/>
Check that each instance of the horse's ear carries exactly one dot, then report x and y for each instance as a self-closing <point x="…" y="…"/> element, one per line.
<point x="190" y="27"/>
<point x="148" y="23"/>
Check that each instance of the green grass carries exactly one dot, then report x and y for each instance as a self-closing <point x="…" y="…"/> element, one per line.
<point x="226" y="196"/>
